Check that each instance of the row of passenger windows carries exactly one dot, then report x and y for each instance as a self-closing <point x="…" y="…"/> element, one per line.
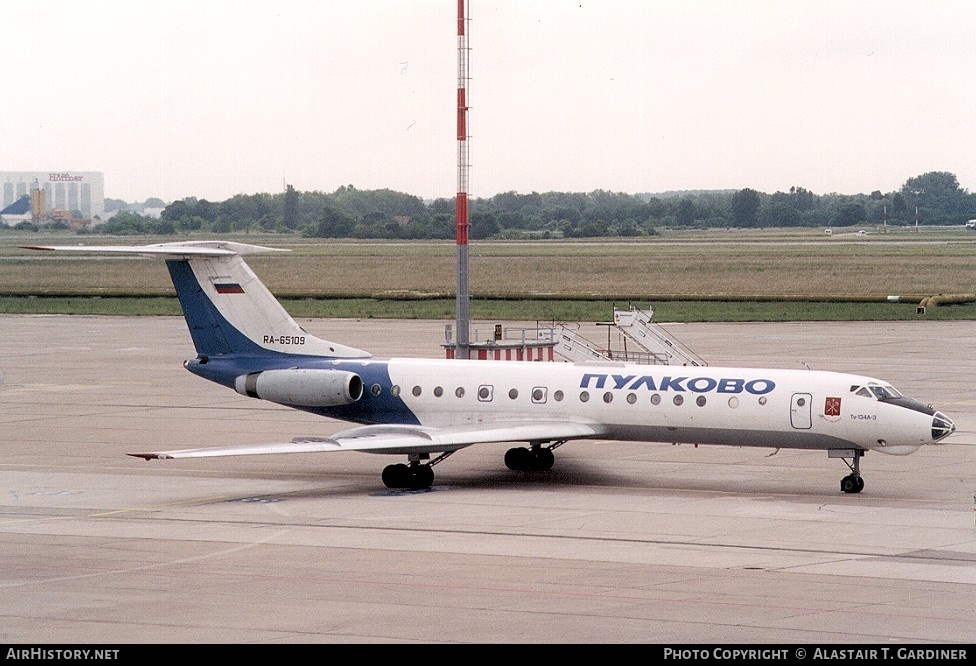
<point x="486" y="392"/>
<point x="540" y="394"/>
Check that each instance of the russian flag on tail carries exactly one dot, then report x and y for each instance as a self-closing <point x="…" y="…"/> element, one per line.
<point x="228" y="288"/>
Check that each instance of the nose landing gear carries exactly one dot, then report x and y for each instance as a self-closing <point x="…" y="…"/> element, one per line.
<point x="853" y="482"/>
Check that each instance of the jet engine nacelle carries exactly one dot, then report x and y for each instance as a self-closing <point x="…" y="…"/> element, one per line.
<point x="304" y="388"/>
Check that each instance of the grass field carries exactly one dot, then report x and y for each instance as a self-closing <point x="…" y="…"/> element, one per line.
<point x="713" y="275"/>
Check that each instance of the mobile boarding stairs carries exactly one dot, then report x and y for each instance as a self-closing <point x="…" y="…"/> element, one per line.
<point x="637" y="340"/>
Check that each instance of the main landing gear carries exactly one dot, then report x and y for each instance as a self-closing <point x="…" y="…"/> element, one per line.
<point x="418" y="475"/>
<point x="853" y="482"/>
<point x="414" y="475"/>
<point x="536" y="458"/>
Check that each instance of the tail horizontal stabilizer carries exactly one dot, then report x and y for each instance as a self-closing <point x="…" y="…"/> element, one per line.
<point x="227" y="308"/>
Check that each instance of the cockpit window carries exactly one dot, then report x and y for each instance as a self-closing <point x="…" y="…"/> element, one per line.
<point x="879" y="392"/>
<point x="882" y="393"/>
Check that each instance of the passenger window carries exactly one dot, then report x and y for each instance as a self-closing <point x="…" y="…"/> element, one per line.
<point x="539" y="395"/>
<point x="584" y="396"/>
<point x="485" y="392"/>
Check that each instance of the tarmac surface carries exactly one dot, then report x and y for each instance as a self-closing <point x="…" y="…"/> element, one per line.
<point x="619" y="543"/>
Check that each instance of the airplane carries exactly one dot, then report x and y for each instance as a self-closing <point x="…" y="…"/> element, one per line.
<point x="245" y="340"/>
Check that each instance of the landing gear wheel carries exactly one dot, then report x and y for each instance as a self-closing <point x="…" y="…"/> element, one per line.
<point x="543" y="459"/>
<point x="536" y="459"/>
<point x="410" y="477"/>
<point x="394" y="476"/>
<point x="852" y="484"/>
<point x="422" y="477"/>
<point x="518" y="459"/>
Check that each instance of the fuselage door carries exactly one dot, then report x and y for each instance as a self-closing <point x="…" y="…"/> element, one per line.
<point x="801" y="411"/>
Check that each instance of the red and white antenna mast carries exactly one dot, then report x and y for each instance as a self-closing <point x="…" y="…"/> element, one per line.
<point x="917" y="194"/>
<point x="462" y="342"/>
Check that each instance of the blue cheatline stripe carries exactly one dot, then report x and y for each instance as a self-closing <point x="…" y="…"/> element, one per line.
<point x="212" y="334"/>
<point x="379" y="406"/>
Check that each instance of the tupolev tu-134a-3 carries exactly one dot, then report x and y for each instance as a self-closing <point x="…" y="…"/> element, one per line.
<point x="427" y="409"/>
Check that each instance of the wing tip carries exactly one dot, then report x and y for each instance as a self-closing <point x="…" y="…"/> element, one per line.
<point x="150" y="456"/>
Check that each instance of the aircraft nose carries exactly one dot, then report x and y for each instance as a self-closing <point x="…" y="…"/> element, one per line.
<point x="942" y="427"/>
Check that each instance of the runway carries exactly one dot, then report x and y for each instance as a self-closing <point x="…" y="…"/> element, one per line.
<point x="619" y="543"/>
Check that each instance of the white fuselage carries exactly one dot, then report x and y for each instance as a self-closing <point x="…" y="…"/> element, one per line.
<point x="704" y="405"/>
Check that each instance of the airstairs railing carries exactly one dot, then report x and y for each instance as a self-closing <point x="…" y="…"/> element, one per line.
<point x="638" y="341"/>
<point x="652" y="339"/>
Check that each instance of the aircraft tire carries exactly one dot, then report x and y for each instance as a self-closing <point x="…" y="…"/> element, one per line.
<point x="852" y="484"/>
<point x="518" y="459"/>
<point x="421" y="477"/>
<point x="400" y="476"/>
<point x="521" y="459"/>
<point x="395" y="476"/>
<point x="543" y="460"/>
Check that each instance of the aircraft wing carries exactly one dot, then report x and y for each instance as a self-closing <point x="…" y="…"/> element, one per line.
<point x="400" y="439"/>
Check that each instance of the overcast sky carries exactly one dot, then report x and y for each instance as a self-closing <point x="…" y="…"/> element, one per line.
<point x="213" y="98"/>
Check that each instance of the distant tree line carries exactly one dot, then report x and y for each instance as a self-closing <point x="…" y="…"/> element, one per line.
<point x="386" y="214"/>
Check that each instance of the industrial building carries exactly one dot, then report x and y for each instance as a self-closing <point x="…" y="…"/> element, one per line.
<point x="56" y="193"/>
